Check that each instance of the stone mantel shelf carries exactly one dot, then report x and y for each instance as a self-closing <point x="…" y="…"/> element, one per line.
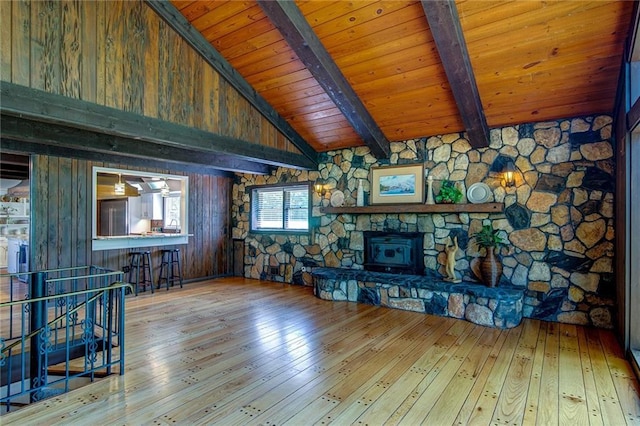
<point x="418" y="208"/>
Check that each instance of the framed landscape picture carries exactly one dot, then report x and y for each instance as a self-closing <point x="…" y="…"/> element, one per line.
<point x="397" y="184"/>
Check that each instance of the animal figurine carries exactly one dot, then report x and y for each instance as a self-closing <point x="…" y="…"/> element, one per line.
<point x="450" y="249"/>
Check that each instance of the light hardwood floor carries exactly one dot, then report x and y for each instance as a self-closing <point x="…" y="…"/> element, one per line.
<point x="245" y="352"/>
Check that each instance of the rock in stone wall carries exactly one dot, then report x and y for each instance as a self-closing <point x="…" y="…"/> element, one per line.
<point x="558" y="217"/>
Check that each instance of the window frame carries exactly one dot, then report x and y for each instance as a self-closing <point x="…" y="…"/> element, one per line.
<point x="283" y="187"/>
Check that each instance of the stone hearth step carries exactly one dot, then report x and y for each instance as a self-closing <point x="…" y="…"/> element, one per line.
<point x="499" y="307"/>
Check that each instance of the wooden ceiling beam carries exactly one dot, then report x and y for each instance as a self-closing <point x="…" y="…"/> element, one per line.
<point x="61" y="151"/>
<point x="286" y="16"/>
<point x="181" y="25"/>
<point x="50" y="139"/>
<point x="444" y="23"/>
<point x="56" y="110"/>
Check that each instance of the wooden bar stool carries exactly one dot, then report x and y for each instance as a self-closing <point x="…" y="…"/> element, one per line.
<point x="140" y="269"/>
<point x="168" y="266"/>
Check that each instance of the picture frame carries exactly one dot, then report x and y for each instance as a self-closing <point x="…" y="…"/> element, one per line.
<point x="401" y="184"/>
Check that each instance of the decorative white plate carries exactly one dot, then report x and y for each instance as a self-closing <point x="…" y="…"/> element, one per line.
<point x="337" y="199"/>
<point x="478" y="193"/>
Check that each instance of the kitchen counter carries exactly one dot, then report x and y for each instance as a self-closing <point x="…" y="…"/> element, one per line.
<point x="147" y="235"/>
<point x="138" y="240"/>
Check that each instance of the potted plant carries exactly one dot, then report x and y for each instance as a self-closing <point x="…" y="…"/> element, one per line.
<point x="488" y="268"/>
<point x="449" y="193"/>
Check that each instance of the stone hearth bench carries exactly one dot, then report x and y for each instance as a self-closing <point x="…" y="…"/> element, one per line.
<point x="499" y="307"/>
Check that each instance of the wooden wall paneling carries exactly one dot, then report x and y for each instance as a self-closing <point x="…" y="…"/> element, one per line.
<point x="164" y="67"/>
<point x="71" y="49"/>
<point x="100" y="55"/>
<point x="217" y="263"/>
<point x="81" y="211"/>
<point x="88" y="23"/>
<point x="286" y="143"/>
<point x="208" y="221"/>
<point x="188" y="252"/>
<point x="65" y="250"/>
<point x="195" y="187"/>
<point x="187" y="76"/>
<point x="114" y="53"/>
<point x="21" y="43"/>
<point x="225" y="215"/>
<point x="6" y="11"/>
<point x="196" y="94"/>
<point x="268" y="136"/>
<point x="53" y="214"/>
<point x="232" y="111"/>
<point x="39" y="209"/>
<point x="218" y="227"/>
<point x="211" y="225"/>
<point x="210" y="93"/>
<point x="45" y="46"/>
<point x="223" y="112"/>
<point x="204" y="239"/>
<point x="78" y="230"/>
<point x="237" y="115"/>
<point x="176" y="79"/>
<point x="221" y="203"/>
<point x="151" y="62"/>
<point x="246" y="128"/>
<point x="133" y="70"/>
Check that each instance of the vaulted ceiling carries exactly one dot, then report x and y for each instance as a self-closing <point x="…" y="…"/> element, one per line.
<point x="352" y="73"/>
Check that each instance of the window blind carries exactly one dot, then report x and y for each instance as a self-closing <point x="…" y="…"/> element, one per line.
<point x="280" y="208"/>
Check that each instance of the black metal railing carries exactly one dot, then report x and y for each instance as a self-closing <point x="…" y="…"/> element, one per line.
<point x="69" y="324"/>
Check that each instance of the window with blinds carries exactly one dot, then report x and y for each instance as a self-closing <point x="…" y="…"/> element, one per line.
<point x="280" y="208"/>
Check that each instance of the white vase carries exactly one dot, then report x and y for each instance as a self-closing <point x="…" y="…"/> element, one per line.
<point x="360" y="195"/>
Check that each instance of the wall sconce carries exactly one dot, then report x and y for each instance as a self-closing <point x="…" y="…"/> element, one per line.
<point x="319" y="188"/>
<point x="509" y="174"/>
<point x="119" y="187"/>
<point x="165" y="190"/>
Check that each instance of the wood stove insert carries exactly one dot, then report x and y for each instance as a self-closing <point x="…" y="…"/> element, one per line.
<point x="394" y="252"/>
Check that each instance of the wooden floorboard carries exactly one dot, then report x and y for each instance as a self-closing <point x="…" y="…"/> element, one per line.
<point x="246" y="352"/>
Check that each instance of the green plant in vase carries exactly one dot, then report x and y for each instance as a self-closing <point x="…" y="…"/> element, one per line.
<point x="488" y="269"/>
<point x="449" y="193"/>
<point x="488" y="238"/>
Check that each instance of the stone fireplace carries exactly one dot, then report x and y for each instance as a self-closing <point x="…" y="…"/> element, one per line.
<point x="558" y="218"/>
<point x="394" y="252"/>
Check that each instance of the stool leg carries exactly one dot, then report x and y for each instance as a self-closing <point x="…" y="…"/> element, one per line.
<point x="160" y="272"/>
<point x="134" y="265"/>
<point x="131" y="272"/>
<point x="164" y="271"/>
<point x="149" y="270"/>
<point x="179" y="268"/>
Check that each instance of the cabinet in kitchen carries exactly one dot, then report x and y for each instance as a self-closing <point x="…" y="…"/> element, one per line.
<point x="4" y="247"/>
<point x="14" y="217"/>
<point x="17" y="255"/>
<point x="151" y="206"/>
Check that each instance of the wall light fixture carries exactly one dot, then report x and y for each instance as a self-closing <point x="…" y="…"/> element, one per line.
<point x="509" y="174"/>
<point x="319" y="187"/>
<point x="119" y="186"/>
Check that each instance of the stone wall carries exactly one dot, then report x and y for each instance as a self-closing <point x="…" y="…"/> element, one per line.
<point x="558" y="217"/>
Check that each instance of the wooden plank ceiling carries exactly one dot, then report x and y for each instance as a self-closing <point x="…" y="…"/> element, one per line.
<point x="532" y="61"/>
